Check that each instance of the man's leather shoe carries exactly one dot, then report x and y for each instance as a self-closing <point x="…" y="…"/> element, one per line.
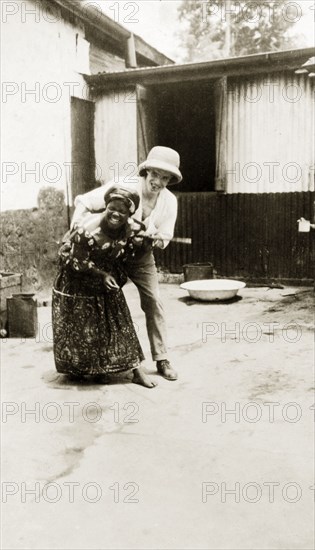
<point x="164" y="368"/>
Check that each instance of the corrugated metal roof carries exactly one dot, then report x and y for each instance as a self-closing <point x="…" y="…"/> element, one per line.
<point x="137" y="69"/>
<point x="253" y="63"/>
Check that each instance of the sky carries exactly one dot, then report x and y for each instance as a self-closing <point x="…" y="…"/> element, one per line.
<point x="157" y="22"/>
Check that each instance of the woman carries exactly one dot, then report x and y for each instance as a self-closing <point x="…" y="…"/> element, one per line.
<point x="92" y="327"/>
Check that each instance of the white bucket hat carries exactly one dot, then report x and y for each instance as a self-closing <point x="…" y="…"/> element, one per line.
<point x="163" y="158"/>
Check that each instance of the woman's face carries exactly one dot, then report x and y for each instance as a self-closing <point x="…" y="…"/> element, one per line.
<point x="116" y="214"/>
<point x="156" y="180"/>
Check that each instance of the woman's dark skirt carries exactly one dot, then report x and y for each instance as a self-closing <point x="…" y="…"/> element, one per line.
<point x="93" y="332"/>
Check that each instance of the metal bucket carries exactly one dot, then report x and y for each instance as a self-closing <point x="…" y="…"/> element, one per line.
<point x="22" y="315"/>
<point x="198" y="271"/>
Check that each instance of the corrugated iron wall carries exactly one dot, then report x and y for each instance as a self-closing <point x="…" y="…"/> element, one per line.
<point x="244" y="235"/>
<point x="270" y="134"/>
<point x="116" y="135"/>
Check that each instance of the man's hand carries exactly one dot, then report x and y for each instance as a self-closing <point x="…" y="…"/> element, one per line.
<point x="143" y="238"/>
<point x="157" y="243"/>
<point x="139" y="238"/>
<point x="110" y="282"/>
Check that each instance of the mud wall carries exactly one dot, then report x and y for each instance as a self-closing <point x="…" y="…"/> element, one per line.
<point x="30" y="240"/>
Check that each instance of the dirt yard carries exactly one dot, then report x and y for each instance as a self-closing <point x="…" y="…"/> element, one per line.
<point x="220" y="459"/>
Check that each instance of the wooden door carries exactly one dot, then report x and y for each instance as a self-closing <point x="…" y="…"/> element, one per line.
<point x="83" y="153"/>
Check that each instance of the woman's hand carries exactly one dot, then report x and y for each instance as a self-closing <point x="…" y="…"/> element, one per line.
<point x="110" y="282"/>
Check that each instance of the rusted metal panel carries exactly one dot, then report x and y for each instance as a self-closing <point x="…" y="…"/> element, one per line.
<point x="270" y="134"/>
<point x="244" y="235"/>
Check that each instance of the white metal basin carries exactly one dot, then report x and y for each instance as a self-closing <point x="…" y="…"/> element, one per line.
<point x="210" y="290"/>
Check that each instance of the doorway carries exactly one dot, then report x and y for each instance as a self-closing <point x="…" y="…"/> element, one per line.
<point x="185" y="114"/>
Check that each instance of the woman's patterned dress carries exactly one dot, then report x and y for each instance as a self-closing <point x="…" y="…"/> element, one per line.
<point x="92" y="327"/>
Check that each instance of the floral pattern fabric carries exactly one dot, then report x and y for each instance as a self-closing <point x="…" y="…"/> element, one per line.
<point x="92" y="326"/>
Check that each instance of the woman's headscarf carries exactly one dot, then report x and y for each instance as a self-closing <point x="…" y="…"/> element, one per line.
<point x="130" y="197"/>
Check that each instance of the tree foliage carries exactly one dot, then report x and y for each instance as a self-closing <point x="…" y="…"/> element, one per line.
<point x="255" y="27"/>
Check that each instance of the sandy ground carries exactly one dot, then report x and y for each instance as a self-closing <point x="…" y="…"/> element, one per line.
<point x="220" y="459"/>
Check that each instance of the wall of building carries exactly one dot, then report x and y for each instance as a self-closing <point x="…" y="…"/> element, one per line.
<point x="101" y="60"/>
<point x="41" y="57"/>
<point x="244" y="235"/>
<point x="270" y="134"/>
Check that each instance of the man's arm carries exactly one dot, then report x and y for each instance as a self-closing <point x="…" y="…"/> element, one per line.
<point x="93" y="201"/>
<point x="165" y="230"/>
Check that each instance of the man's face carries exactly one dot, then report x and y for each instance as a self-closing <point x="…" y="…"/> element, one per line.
<point x="156" y="180"/>
<point x="116" y="214"/>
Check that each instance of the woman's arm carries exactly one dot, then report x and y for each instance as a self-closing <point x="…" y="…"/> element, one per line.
<point x="76" y="254"/>
<point x="108" y="279"/>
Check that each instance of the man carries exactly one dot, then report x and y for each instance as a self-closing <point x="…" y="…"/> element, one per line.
<point x="158" y="212"/>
